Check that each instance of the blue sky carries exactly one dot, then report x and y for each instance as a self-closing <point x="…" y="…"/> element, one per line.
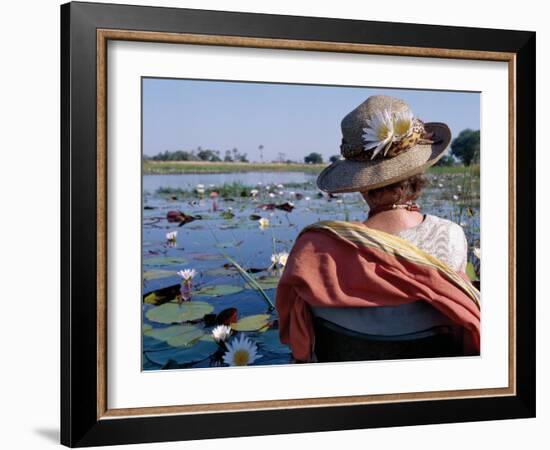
<point x="293" y="119"/>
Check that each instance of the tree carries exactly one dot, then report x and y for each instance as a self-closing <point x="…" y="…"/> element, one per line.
<point x="209" y="155"/>
<point x="334" y="158"/>
<point x="228" y="157"/>
<point x="177" y="155"/>
<point x="261" y="148"/>
<point x="446" y="161"/>
<point x="466" y="146"/>
<point x="313" y="158"/>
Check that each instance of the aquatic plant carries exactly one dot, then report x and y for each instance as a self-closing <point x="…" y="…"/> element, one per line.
<point x="187" y="276"/>
<point x="171" y="238"/>
<point x="221" y="333"/>
<point x="279" y="259"/>
<point x="241" y="351"/>
<point x="199" y="189"/>
<point x="251" y="281"/>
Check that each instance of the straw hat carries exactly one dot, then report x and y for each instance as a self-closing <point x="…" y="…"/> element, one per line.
<point x="382" y="144"/>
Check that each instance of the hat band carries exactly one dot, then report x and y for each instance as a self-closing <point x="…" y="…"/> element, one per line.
<point x="419" y="135"/>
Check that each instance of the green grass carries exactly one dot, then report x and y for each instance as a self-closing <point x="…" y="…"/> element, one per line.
<point x="181" y="167"/>
<point x="177" y="167"/>
<point x="453" y="169"/>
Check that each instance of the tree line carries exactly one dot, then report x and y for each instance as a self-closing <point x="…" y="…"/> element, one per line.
<point x="200" y="154"/>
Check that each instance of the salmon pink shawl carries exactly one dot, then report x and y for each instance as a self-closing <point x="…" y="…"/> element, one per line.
<point x="341" y="264"/>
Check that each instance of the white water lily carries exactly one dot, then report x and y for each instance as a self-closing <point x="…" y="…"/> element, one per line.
<point x="455" y="197"/>
<point x="221" y="333"/>
<point x="307" y="199"/>
<point x="187" y="274"/>
<point x="264" y="223"/>
<point x="440" y="185"/>
<point x="271" y="195"/>
<point x="281" y="192"/>
<point x="279" y="259"/>
<point x="280" y="186"/>
<point x="171" y="236"/>
<point x="241" y="351"/>
<point x="254" y="192"/>
<point x="477" y="252"/>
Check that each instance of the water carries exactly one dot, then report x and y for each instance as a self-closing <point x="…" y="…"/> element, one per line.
<point x="230" y="227"/>
<point x="188" y="181"/>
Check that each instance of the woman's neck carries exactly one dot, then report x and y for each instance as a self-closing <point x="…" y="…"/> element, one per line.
<point x="394" y="221"/>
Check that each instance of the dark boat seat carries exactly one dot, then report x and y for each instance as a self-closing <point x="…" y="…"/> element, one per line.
<point x="334" y="343"/>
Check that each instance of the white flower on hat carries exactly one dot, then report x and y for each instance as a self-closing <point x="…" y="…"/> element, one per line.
<point x="379" y="132"/>
<point x="402" y="124"/>
<point x="384" y="128"/>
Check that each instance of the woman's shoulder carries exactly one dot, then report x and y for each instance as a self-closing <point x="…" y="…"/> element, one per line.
<point x="440" y="222"/>
<point x="455" y="235"/>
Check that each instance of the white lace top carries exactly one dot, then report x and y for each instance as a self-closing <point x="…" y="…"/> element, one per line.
<point x="439" y="237"/>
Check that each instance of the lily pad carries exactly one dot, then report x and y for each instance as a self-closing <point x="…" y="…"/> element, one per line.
<point x="164" y="261"/>
<point x="218" y="290"/>
<point x="265" y="282"/>
<point x="174" y="313"/>
<point x="186" y="339"/>
<point x="149" y="275"/>
<point x="206" y="256"/>
<point x="146" y="328"/>
<point x="470" y="271"/>
<point x="151" y="299"/>
<point x="177" y="335"/>
<point x="181" y="355"/>
<point x="231" y="244"/>
<point x="251" y="323"/>
<point x="221" y="271"/>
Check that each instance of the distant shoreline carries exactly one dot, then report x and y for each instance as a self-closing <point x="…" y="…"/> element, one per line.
<point x="194" y="167"/>
<point x="202" y="167"/>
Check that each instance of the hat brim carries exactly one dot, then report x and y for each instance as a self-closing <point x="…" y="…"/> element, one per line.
<point x="352" y="176"/>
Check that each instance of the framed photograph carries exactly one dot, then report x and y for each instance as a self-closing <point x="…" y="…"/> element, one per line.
<point x="276" y="224"/>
